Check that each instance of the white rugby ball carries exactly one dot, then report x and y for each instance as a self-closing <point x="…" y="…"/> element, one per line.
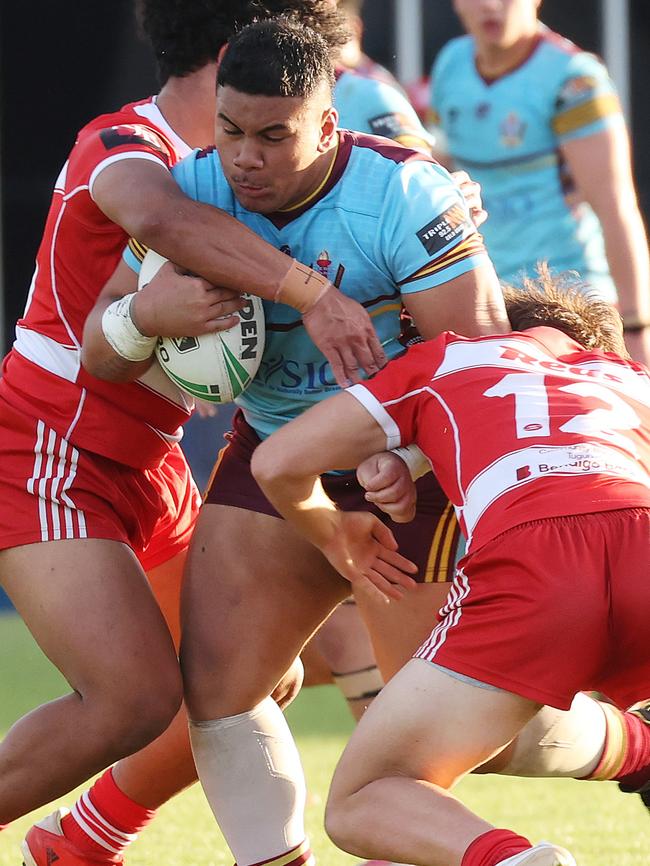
<point x="214" y="367"/>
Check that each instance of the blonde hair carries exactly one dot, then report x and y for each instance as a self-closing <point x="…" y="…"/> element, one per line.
<point x="564" y="302"/>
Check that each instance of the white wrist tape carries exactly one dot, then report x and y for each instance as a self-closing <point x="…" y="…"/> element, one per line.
<point x="121" y="333"/>
<point x="418" y="464"/>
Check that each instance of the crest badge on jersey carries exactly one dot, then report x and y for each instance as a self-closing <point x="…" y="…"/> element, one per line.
<point x="323" y="263"/>
<point x="512" y="130"/>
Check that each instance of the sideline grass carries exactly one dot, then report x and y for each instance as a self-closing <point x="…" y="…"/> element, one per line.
<point x="601" y="826"/>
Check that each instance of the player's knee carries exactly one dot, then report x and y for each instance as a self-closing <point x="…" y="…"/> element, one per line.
<point x="340" y="823"/>
<point x="289" y="686"/>
<point x="143" y="709"/>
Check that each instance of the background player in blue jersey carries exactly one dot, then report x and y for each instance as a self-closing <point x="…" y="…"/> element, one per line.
<point x="537" y="122"/>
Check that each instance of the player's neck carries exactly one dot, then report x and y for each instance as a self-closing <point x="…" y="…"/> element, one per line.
<point x="315" y="178"/>
<point x="493" y="61"/>
<point x="188" y="104"/>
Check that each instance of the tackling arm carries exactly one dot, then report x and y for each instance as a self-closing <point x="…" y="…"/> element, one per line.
<point x="207" y="241"/>
<point x="154" y="311"/>
<point x="287" y="467"/>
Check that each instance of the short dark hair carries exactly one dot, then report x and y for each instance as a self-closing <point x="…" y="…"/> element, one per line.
<point x="278" y="57"/>
<point x="186" y="34"/>
<point x="564" y="302"/>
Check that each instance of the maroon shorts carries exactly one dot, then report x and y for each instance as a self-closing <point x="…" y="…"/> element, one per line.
<point x="430" y="540"/>
<point x="51" y="490"/>
<point x="554" y="607"/>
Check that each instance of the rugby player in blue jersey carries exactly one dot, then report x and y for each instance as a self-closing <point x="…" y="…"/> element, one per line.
<point x="395" y="228"/>
<point x="537" y="122"/>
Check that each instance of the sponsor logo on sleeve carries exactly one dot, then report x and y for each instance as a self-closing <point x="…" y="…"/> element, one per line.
<point x="445" y="228"/>
<point x="391" y="125"/>
<point x="132" y="133"/>
<point x="576" y="90"/>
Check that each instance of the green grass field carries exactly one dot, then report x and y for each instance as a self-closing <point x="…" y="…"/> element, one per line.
<point x="601" y="826"/>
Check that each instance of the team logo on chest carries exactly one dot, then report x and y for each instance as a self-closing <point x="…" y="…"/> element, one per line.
<point x="512" y="130"/>
<point x="323" y="263"/>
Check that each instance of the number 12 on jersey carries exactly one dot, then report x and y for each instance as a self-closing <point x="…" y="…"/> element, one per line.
<point x="532" y="416"/>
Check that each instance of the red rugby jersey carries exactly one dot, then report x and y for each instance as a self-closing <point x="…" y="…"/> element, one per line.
<point x="519" y="427"/>
<point x="134" y="423"/>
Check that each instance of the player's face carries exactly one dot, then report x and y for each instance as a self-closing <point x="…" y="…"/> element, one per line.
<point x="274" y="150"/>
<point x="497" y="23"/>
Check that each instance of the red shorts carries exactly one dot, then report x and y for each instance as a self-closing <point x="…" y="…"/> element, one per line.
<point x="430" y="540"/>
<point x="554" y="607"/>
<point x="50" y="490"/>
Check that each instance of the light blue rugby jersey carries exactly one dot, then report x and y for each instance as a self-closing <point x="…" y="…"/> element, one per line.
<point x="507" y="134"/>
<point x="388" y="221"/>
<point x="369" y="105"/>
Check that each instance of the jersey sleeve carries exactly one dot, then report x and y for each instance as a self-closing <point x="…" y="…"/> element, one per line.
<point x="100" y="148"/>
<point x="586" y="102"/>
<point x="394" y="395"/>
<point x="426" y="236"/>
<point x="390" y="114"/>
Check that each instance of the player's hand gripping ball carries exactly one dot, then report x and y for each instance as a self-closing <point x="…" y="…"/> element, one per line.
<point x="215" y="367"/>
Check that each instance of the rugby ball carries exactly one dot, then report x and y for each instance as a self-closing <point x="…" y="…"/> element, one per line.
<point x="214" y="367"/>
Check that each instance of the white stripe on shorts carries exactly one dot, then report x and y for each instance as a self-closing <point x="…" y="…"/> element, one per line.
<point x="44" y="483"/>
<point x="451" y="614"/>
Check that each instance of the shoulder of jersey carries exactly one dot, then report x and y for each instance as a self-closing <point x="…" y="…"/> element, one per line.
<point x="385" y="148"/>
<point x="454" y="51"/>
<point x="125" y="114"/>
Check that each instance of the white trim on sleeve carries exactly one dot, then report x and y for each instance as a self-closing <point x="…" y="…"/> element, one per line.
<point x="117" y="157"/>
<point x="372" y="405"/>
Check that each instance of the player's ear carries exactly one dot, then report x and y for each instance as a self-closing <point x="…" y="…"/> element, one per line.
<point x="328" y="127"/>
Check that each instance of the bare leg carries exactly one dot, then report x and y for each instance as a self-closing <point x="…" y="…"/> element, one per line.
<point x="163" y="768"/>
<point x="389" y="797"/>
<point x="89" y="607"/>
<point x="397" y="629"/>
<point x="254" y="593"/>
<point x="343" y="649"/>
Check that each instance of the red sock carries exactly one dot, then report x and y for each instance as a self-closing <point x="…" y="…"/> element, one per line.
<point x="494" y="847"/>
<point x="634" y="772"/>
<point x="104" y="821"/>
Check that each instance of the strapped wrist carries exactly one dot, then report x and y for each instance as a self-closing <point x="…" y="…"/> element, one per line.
<point x="301" y="287"/>
<point x="416" y="461"/>
<point x="121" y="333"/>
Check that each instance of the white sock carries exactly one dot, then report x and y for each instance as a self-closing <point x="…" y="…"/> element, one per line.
<point x="561" y="743"/>
<point x="253" y="779"/>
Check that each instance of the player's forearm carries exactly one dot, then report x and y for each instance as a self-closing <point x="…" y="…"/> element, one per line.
<point x="199" y="237"/>
<point x="299" y="499"/>
<point x="100" y="359"/>
<point x="209" y="242"/>
<point x="626" y="246"/>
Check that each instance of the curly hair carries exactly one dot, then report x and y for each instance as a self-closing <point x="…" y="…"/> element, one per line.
<point x="566" y="303"/>
<point x="186" y="34"/>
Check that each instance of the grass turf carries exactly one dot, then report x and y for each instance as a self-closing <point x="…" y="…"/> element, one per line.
<point x="598" y="824"/>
